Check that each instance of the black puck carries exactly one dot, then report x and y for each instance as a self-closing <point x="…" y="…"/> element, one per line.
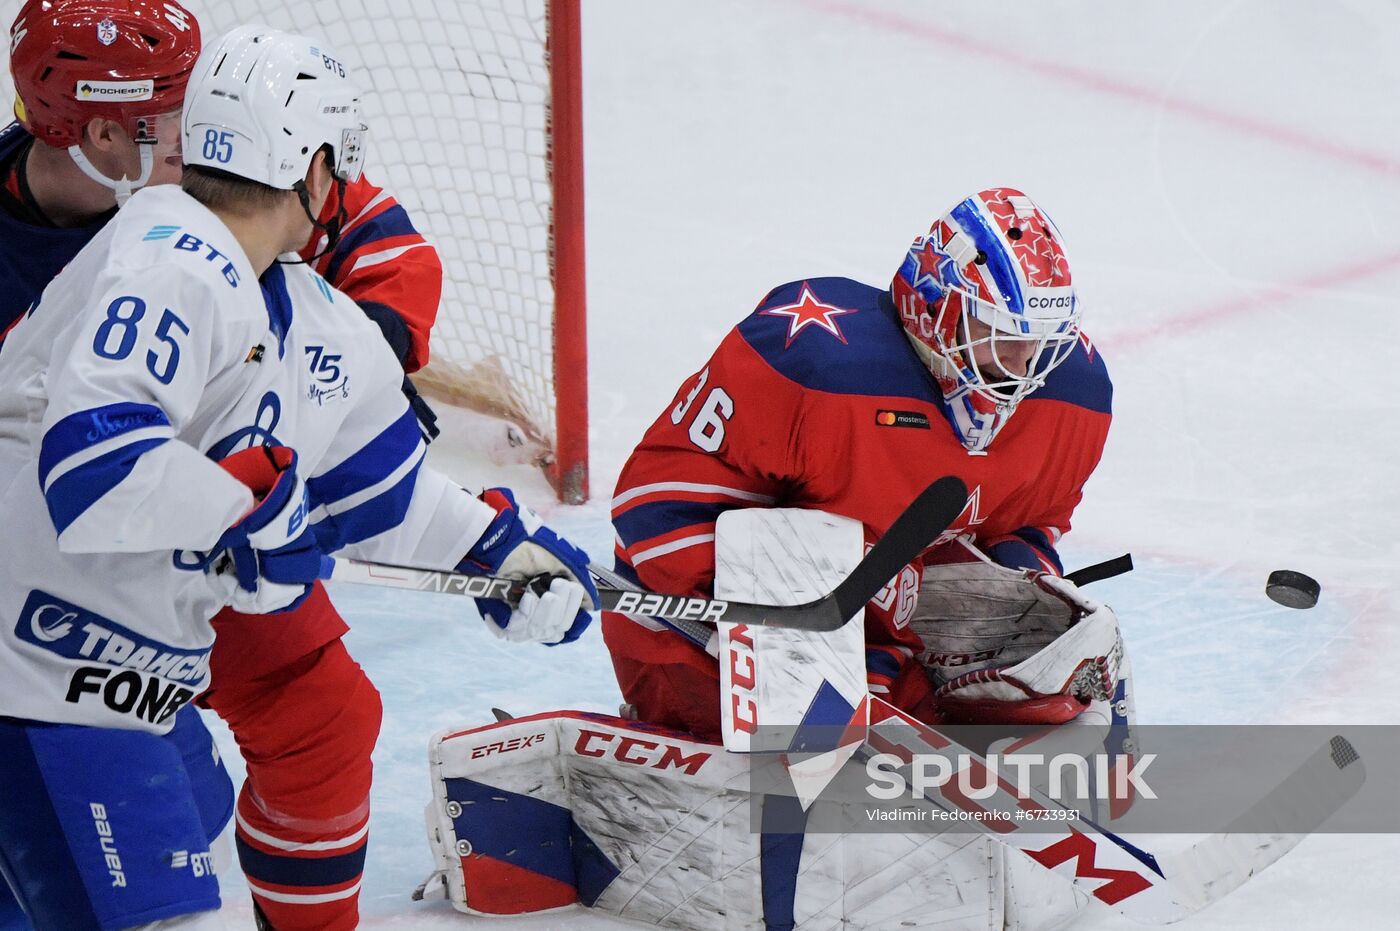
<point x="1292" y="589"/>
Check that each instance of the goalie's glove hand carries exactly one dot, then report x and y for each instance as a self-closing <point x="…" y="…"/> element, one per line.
<point x="517" y="545"/>
<point x="269" y="560"/>
<point x="1014" y="645"/>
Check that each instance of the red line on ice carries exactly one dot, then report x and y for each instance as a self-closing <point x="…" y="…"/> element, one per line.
<point x="1188" y="323"/>
<point x="1105" y="84"/>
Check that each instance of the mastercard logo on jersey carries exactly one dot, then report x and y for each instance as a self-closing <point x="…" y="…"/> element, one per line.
<point x="902" y="419"/>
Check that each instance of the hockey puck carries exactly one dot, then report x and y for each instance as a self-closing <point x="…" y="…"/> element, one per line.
<point x="1292" y="589"/>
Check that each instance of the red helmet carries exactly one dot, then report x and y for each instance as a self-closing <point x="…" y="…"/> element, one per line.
<point x="123" y="60"/>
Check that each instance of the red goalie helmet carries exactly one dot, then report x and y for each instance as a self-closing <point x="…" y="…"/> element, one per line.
<point x="987" y="300"/>
<point x="123" y="60"/>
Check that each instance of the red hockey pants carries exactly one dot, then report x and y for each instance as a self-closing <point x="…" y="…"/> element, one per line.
<point x="306" y="718"/>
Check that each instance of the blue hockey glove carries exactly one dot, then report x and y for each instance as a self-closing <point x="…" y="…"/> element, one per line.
<point x="518" y="545"/>
<point x="272" y="554"/>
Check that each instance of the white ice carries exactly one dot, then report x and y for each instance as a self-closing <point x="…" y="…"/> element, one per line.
<point x="1227" y="174"/>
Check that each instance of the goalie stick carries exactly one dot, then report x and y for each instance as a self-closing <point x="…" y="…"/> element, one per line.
<point x="922" y="522"/>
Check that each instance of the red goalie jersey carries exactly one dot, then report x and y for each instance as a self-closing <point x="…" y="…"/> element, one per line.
<point x="818" y="400"/>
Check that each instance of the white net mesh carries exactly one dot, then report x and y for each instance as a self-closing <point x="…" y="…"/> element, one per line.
<point x="457" y="111"/>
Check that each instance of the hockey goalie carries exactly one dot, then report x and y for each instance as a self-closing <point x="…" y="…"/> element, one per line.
<point x="652" y="824"/>
<point x="817" y="419"/>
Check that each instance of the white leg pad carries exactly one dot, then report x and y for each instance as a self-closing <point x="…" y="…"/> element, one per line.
<point x="535" y="814"/>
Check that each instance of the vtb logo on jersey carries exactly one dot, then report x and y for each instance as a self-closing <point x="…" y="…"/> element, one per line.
<point x="328" y="381"/>
<point x="193" y="244"/>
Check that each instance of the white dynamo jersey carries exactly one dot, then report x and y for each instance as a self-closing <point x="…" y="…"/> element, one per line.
<point x="154" y="353"/>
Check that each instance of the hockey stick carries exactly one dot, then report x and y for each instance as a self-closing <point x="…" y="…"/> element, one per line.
<point x="922" y="522"/>
<point x="703" y="635"/>
<point x="1101" y="570"/>
<point x="1146" y="887"/>
<point x="697" y="632"/>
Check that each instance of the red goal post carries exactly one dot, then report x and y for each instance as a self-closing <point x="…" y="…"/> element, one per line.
<point x="570" y="469"/>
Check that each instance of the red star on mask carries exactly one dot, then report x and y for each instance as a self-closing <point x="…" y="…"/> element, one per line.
<point x="808" y="310"/>
<point x="929" y="259"/>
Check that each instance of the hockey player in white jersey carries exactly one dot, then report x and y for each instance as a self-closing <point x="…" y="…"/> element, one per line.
<point x="188" y="423"/>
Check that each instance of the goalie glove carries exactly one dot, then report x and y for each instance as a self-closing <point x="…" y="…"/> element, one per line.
<point x="268" y="561"/>
<point x="555" y="608"/>
<point x="1014" y="646"/>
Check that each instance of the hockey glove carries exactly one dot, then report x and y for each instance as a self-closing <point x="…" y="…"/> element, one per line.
<point x="554" y="609"/>
<point x="272" y="555"/>
<point x="1009" y="646"/>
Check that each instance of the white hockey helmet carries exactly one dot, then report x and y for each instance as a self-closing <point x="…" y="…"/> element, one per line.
<point x="262" y="102"/>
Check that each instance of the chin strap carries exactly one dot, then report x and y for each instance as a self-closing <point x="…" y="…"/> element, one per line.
<point x="124" y="187"/>
<point x="332" y="228"/>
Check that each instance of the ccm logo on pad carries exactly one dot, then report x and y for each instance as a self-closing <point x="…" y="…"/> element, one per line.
<point x="638" y="751"/>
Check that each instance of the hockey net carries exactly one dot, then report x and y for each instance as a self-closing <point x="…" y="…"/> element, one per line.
<point x="475" y="127"/>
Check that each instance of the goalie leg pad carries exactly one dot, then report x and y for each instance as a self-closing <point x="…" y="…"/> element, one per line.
<point x="499" y="823"/>
<point x="535" y="813"/>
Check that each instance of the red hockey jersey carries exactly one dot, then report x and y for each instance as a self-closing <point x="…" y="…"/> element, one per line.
<point x="382" y="260"/>
<point x="817" y="400"/>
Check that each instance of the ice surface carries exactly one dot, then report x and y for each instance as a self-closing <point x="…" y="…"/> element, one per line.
<point x="1228" y="178"/>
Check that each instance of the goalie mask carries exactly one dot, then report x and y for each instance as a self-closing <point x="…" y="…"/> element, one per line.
<point x="987" y="301"/>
